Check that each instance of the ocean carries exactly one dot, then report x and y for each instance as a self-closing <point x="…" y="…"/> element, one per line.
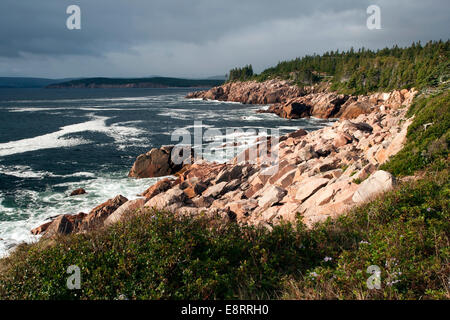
<point x="53" y="141"/>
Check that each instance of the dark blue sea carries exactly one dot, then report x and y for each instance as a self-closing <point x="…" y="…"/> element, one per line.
<point x="53" y="141"/>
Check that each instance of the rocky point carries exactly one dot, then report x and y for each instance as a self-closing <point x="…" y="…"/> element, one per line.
<point x="318" y="174"/>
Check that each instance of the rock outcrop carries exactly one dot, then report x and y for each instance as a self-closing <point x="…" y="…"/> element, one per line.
<point x="82" y="222"/>
<point x="164" y="161"/>
<point x="292" y="102"/>
<point x="379" y="182"/>
<point x="332" y="105"/>
<point x="77" y="192"/>
<point x="124" y="210"/>
<point x="252" y="92"/>
<point x="317" y="175"/>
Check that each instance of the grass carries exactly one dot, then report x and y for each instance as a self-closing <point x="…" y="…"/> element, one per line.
<point x="428" y="136"/>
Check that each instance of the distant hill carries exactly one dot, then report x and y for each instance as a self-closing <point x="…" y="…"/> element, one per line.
<point x="154" y="82"/>
<point x="26" y="82"/>
<point x="220" y="77"/>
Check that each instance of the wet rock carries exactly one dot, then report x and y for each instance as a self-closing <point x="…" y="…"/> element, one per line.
<point x="41" y="229"/>
<point x="160" y="162"/>
<point x="77" y="192"/>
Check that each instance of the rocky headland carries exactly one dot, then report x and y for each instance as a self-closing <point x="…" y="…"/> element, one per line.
<point x="292" y="102"/>
<point x="317" y="174"/>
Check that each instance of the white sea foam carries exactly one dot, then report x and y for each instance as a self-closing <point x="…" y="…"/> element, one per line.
<point x="24" y="172"/>
<point x="46" y="204"/>
<point x="121" y="134"/>
<point x="252" y="118"/>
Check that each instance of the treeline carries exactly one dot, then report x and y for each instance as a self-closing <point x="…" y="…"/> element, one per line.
<point x="362" y="71"/>
<point x="241" y="74"/>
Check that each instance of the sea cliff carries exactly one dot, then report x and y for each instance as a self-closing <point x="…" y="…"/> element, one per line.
<point x="293" y="102"/>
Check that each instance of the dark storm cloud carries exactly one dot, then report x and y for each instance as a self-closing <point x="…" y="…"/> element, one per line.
<point x="197" y="38"/>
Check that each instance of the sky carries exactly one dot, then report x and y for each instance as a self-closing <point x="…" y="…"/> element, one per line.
<point x="199" y="38"/>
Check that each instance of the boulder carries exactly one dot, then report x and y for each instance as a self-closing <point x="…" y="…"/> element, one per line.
<point x="77" y="192"/>
<point x="157" y="188"/>
<point x="297" y="134"/>
<point x="41" y="229"/>
<point x="381" y="181"/>
<point x="231" y="173"/>
<point x="194" y="187"/>
<point x="341" y="140"/>
<point x="296" y="110"/>
<point x="254" y="188"/>
<point x="203" y="202"/>
<point x="354" y="109"/>
<point x="216" y="190"/>
<point x="173" y="197"/>
<point x="395" y="146"/>
<point x="272" y="195"/>
<point x="242" y="208"/>
<point x="125" y="209"/>
<point x="309" y="186"/>
<point x="61" y="225"/>
<point x="327" y="105"/>
<point x="160" y="162"/>
<point x="98" y="215"/>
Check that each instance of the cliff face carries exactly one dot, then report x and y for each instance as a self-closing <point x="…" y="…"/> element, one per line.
<point x="319" y="174"/>
<point x="252" y="92"/>
<point x="292" y="102"/>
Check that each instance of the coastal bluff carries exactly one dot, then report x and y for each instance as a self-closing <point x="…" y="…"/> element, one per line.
<point x="293" y="102"/>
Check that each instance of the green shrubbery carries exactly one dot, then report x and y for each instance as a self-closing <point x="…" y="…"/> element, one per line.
<point x="405" y="233"/>
<point x="428" y="136"/>
<point x="157" y="256"/>
<point x="363" y="71"/>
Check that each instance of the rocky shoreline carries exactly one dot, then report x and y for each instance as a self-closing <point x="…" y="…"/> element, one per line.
<point x="292" y="102"/>
<point x="318" y="174"/>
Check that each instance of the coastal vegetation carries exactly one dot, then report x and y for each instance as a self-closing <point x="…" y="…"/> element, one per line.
<point x="241" y="74"/>
<point x="363" y="71"/>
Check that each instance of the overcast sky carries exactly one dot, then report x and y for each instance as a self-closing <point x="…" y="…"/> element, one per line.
<point x="198" y="38"/>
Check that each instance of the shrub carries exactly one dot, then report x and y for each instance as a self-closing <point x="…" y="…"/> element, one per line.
<point x="156" y="255"/>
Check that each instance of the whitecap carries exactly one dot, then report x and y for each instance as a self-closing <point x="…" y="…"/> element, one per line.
<point x="121" y="134"/>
